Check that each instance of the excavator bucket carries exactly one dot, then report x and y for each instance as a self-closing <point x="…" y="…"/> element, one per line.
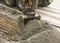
<point x="10" y="23"/>
<point x="14" y="22"/>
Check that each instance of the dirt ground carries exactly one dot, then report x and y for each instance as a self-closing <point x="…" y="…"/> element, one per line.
<point x="51" y="35"/>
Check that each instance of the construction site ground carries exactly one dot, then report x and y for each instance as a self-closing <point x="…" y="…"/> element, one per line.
<point x="50" y="35"/>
